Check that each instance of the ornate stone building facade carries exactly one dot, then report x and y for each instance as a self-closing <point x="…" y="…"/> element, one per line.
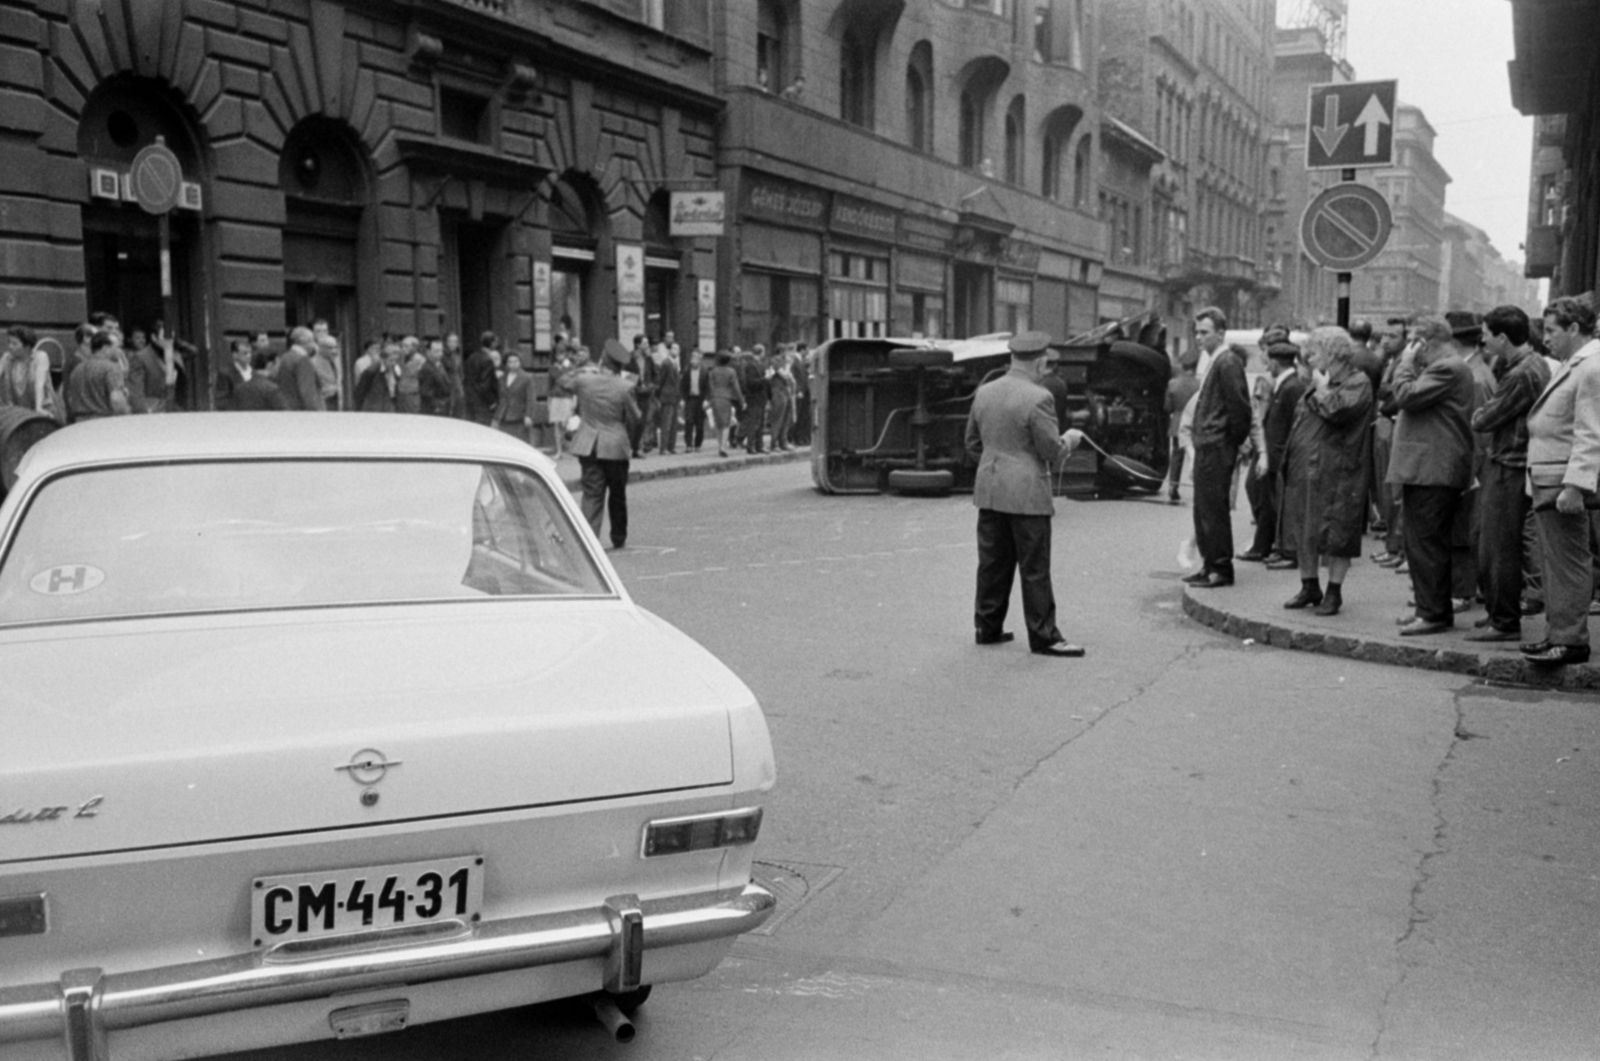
<point x="416" y="167"/>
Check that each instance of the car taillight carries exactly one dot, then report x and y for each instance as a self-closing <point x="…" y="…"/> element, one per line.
<point x="24" y="915"/>
<point x="671" y="836"/>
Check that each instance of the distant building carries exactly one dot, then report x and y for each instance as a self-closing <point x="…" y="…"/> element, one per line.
<point x="1193" y="80"/>
<point x="907" y="169"/>
<point x="1406" y="279"/>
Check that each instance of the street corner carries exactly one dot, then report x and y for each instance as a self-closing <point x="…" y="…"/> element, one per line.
<point x="1253" y="614"/>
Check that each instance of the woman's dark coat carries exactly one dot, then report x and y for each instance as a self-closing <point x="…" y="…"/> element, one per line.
<point x="1327" y="466"/>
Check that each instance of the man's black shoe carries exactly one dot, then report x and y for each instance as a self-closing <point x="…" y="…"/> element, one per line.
<point x="1558" y="655"/>
<point x="1417" y="626"/>
<point x="1216" y="581"/>
<point x="1493" y="634"/>
<point x="996" y="639"/>
<point x="1532" y="607"/>
<point x="1060" y="649"/>
<point x="1533" y="648"/>
<point x="1199" y="578"/>
<point x="1253" y="557"/>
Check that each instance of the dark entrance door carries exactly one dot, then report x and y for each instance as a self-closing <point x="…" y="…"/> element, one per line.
<point x="122" y="276"/>
<point x="467" y="277"/>
<point x="974" y="284"/>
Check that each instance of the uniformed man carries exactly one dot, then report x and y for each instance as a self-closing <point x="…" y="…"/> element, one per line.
<point x="606" y="408"/>
<point x="1013" y="433"/>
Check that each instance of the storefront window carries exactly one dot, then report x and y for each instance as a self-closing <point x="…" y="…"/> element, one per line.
<point x="1013" y="305"/>
<point x="858" y="295"/>
<point x="776" y="308"/>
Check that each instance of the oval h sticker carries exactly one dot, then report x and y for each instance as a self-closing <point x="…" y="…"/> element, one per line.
<point x="66" y="579"/>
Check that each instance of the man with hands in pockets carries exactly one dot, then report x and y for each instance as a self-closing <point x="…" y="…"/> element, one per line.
<point x="1013" y="433"/>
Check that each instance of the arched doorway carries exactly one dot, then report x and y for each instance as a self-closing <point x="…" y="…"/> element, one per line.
<point x="121" y="242"/>
<point x="323" y="174"/>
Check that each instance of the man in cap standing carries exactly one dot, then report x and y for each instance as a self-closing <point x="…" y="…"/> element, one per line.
<point x="1284" y="393"/>
<point x="1013" y="433"/>
<point x="602" y="444"/>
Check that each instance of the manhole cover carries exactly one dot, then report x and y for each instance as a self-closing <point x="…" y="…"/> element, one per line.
<point x="794" y="884"/>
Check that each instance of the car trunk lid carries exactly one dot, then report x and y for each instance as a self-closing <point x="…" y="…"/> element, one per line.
<point x="160" y="732"/>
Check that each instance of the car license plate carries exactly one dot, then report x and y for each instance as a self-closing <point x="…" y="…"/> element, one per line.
<point x="332" y="902"/>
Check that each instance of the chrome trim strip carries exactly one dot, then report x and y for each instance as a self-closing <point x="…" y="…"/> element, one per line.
<point x="84" y="1004"/>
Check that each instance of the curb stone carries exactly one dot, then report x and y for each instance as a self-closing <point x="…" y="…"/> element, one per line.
<point x="1498" y="670"/>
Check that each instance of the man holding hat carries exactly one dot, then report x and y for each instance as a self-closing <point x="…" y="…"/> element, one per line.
<point x="1013" y="432"/>
<point x="606" y="408"/>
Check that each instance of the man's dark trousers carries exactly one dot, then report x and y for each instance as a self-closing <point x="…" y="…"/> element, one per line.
<point x="1270" y="496"/>
<point x="605" y="486"/>
<point x="1430" y="515"/>
<point x="1008" y="542"/>
<point x="1503" y="509"/>
<point x="1213" y="523"/>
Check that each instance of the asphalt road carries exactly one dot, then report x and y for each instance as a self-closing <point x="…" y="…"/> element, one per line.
<point x="1180" y="846"/>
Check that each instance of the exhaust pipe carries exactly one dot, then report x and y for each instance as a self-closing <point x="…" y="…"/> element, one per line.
<point x="620" y="1027"/>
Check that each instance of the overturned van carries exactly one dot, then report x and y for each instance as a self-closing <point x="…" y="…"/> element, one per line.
<point x="890" y="415"/>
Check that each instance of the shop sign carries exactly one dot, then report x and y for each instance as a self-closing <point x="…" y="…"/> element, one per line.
<point x="542" y="337"/>
<point x="630" y="322"/>
<point x="698" y="214"/>
<point x="783" y="202"/>
<point x="630" y="273"/>
<point x="1017" y="254"/>
<point x="857" y="217"/>
<point x="707" y="301"/>
<point x="926" y="233"/>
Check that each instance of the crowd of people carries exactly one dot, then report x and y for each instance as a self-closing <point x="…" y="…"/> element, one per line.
<point x="1469" y="444"/>
<point x="738" y="398"/>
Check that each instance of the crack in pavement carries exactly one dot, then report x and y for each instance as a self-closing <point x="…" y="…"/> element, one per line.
<point x="1437" y="847"/>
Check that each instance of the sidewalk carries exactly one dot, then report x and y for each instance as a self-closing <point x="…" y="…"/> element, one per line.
<point x="680" y="464"/>
<point x="1365" y="629"/>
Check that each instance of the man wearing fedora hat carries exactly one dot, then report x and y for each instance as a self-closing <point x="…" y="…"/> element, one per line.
<point x="602" y="444"/>
<point x="1013" y="433"/>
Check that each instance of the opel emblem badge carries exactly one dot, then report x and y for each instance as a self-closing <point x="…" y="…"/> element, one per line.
<point x="368" y="766"/>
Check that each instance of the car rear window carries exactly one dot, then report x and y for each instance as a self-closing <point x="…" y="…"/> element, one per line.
<point x="251" y="535"/>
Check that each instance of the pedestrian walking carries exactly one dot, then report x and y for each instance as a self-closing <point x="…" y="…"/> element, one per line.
<point x="606" y="406"/>
<point x="1013" y="435"/>
<point x="1222" y="423"/>
<point x="1564" y="480"/>
<point x="668" y="398"/>
<point x="1328" y="461"/>
<point x="727" y="396"/>
<point x="1432" y="465"/>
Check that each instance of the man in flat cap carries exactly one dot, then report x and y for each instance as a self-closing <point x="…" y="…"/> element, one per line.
<point x="606" y="408"/>
<point x="1013" y="433"/>
<point x="1285" y="391"/>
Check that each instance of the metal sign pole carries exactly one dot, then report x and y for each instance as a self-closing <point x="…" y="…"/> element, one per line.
<point x="168" y="322"/>
<point x="1342" y="280"/>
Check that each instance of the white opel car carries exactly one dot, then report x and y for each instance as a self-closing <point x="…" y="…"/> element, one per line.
<point x="320" y="725"/>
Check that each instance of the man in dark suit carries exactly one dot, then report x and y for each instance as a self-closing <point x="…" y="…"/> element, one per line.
<point x="296" y="376"/>
<point x="1431" y="462"/>
<point x="480" y="379"/>
<point x="667" y="398"/>
<point x="1222" y="421"/>
<point x="606" y="407"/>
<point x="1013" y="433"/>
<point x="1287" y="390"/>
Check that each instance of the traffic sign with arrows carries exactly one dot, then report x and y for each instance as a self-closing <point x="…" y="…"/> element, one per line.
<point x="1351" y="124"/>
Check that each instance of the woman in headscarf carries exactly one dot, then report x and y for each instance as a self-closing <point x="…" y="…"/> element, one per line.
<point x="1327" y="467"/>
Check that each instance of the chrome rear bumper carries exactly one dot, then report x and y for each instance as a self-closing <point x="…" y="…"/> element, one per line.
<point x="86" y="1003"/>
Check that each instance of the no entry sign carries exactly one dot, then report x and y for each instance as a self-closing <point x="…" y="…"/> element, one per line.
<point x="157" y="178"/>
<point x="1346" y="227"/>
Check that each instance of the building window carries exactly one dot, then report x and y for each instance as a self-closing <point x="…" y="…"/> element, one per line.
<point x="1080" y="171"/>
<point x="1015" y="123"/>
<point x="770" y="66"/>
<point x="1058" y="130"/>
<point x="1013" y="305"/>
<point x="971" y="131"/>
<point x="919" y="110"/>
<point x="856" y="80"/>
<point x="858" y="296"/>
<point x="463" y="115"/>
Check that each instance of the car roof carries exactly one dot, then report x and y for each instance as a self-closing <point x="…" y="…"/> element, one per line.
<point x="255" y="435"/>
